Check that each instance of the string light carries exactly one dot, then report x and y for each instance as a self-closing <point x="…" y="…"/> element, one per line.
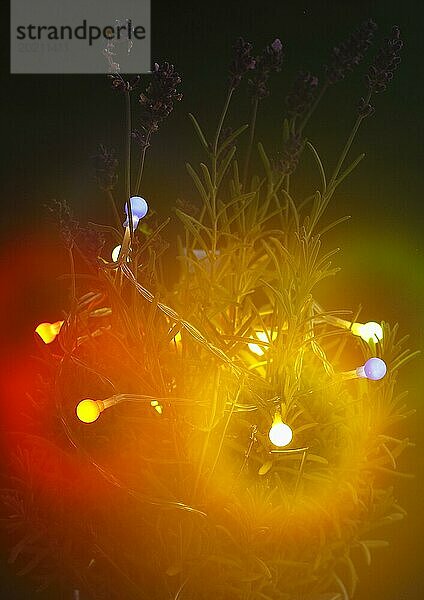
<point x="177" y="338"/>
<point x="262" y="337"/>
<point x="49" y="331"/>
<point x="89" y="411"/>
<point x="116" y="252"/>
<point x="158" y="408"/>
<point x="374" y="369"/>
<point x="368" y="331"/>
<point x="139" y="208"/>
<point x="280" y="433"/>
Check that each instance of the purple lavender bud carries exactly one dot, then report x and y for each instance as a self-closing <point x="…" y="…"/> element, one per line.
<point x="106" y="165"/>
<point x="350" y="53"/>
<point x="270" y="61"/>
<point x="288" y="159"/>
<point x="157" y="101"/>
<point x="386" y="61"/>
<point x="365" y="109"/>
<point x="276" y="45"/>
<point x="302" y="94"/>
<point x="242" y="62"/>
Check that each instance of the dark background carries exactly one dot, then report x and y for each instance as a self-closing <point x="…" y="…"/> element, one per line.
<point x="53" y="124"/>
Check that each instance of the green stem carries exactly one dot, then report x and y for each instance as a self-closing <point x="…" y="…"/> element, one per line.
<point x="251" y="138"/>
<point x="313" y="107"/>
<point x="128" y="160"/>
<point x="73" y="279"/>
<point x="348" y="145"/>
<point x="142" y="159"/>
<point x="215" y="147"/>
<point x="209" y="431"/>
<point x="214" y="158"/>
<point x="114" y="209"/>
<point x="222" y="119"/>
<point x="331" y="188"/>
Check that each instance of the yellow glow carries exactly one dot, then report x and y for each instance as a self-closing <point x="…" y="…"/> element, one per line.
<point x="156" y="406"/>
<point x="88" y="410"/>
<point x="280" y="434"/>
<point x="49" y="331"/>
<point x="368" y="331"/>
<point x="262" y="337"/>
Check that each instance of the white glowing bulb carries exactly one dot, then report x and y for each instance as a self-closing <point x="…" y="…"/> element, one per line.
<point x="368" y="331"/>
<point x="262" y="337"/>
<point x="280" y="433"/>
<point x="116" y="252"/>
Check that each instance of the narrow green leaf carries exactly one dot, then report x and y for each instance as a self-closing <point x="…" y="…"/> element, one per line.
<point x="195" y="228"/>
<point x="265" y="161"/>
<point x="231" y="138"/>
<point x="207" y="177"/>
<point x="265" y="468"/>
<point x="197" y="183"/>
<point x="199" y="132"/>
<point x="320" y="166"/>
<point x="349" y="170"/>
<point x="225" y="164"/>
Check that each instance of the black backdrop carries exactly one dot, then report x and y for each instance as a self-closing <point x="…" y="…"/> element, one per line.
<point x="52" y="125"/>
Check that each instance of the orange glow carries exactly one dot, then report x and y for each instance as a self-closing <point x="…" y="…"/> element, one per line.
<point x="49" y="331"/>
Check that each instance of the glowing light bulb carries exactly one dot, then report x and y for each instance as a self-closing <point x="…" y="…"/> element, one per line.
<point x="280" y="433"/>
<point x="178" y="338"/>
<point x="139" y="208"/>
<point x="49" y="331"/>
<point x="115" y="253"/>
<point x="374" y="369"/>
<point x="368" y="331"/>
<point x="156" y="406"/>
<point x="89" y="411"/>
<point x="262" y="337"/>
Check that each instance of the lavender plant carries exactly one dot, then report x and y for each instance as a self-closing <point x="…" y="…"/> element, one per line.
<point x="177" y="490"/>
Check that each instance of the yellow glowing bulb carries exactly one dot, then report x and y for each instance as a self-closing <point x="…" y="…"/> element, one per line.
<point x="177" y="337"/>
<point x="49" y="331"/>
<point x="280" y="434"/>
<point x="88" y="410"/>
<point x="368" y="331"/>
<point x="262" y="337"/>
<point x="156" y="406"/>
